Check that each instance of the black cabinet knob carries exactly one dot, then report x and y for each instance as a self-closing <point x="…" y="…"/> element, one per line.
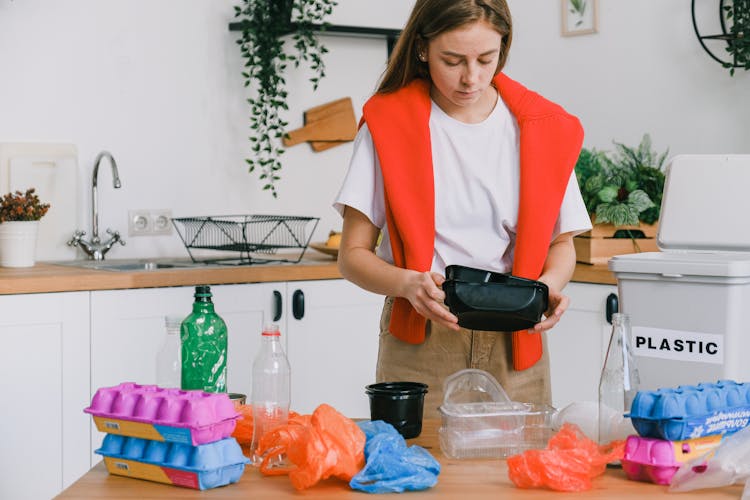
<point x="612" y="306"/>
<point x="276" y="305"/>
<point x="298" y="304"/>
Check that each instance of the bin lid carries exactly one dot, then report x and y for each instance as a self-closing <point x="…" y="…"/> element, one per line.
<point x="674" y="264"/>
<point x="704" y="227"/>
<point x="705" y="206"/>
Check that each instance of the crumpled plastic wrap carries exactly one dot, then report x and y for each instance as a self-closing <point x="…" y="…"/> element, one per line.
<point x="727" y="464"/>
<point x="318" y="446"/>
<point x="391" y="466"/>
<point x="569" y="463"/>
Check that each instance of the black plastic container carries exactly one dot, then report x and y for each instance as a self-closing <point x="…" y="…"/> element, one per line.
<point x="486" y="300"/>
<point x="400" y="404"/>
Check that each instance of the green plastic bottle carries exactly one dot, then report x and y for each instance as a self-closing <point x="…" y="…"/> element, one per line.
<point x="203" y="335"/>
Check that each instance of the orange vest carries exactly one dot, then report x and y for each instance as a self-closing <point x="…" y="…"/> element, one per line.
<point x="550" y="141"/>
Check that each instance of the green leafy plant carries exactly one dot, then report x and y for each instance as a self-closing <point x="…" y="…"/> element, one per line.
<point x="625" y="187"/>
<point x="20" y="206"/>
<point x="738" y="47"/>
<point x="264" y="23"/>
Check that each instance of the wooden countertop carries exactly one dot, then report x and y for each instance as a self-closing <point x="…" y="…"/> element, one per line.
<point x="465" y="479"/>
<point x="49" y="277"/>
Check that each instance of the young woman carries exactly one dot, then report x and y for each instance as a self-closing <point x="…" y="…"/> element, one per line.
<point x="458" y="164"/>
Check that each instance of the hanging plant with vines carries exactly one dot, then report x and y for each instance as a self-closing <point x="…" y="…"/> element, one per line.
<point x="264" y="23"/>
<point x="737" y="12"/>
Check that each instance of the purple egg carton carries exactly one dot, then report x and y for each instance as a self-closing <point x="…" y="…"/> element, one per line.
<point x="155" y="413"/>
<point x="657" y="460"/>
<point x="200" y="467"/>
<point x="692" y="411"/>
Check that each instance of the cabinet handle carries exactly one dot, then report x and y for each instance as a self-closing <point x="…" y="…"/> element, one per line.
<point x="613" y="305"/>
<point x="298" y="304"/>
<point x="276" y="305"/>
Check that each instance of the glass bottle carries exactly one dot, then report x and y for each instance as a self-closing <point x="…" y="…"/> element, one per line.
<point x="271" y="390"/>
<point x="168" y="366"/>
<point x="204" y="346"/>
<point x="618" y="384"/>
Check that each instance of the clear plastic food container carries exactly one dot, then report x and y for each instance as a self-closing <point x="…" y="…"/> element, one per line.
<point x="480" y="421"/>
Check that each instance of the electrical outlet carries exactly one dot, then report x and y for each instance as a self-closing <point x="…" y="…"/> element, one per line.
<point x="152" y="222"/>
<point x="139" y="223"/>
<point x="161" y="221"/>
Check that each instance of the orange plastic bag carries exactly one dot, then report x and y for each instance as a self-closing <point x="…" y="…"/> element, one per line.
<point x="569" y="463"/>
<point x="243" y="430"/>
<point x="318" y="446"/>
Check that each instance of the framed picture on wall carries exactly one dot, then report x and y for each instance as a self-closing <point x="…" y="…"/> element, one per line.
<point x="579" y="17"/>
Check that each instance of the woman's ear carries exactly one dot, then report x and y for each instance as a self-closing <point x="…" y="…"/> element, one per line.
<point x="421" y="48"/>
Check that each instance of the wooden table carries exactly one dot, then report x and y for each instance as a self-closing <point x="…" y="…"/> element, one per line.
<point x="459" y="479"/>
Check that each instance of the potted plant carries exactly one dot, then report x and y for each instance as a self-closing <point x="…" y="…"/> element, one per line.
<point x="19" y="221"/>
<point x="622" y="192"/>
<point x="264" y="23"/>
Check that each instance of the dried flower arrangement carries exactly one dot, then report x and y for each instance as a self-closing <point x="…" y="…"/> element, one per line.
<point x="20" y="206"/>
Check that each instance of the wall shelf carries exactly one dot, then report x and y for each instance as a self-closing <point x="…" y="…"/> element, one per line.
<point x="391" y="35"/>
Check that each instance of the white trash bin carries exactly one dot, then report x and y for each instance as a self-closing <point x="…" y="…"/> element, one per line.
<point x="690" y="303"/>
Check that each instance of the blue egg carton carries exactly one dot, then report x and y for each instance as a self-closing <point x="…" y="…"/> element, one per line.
<point x="687" y="412"/>
<point x="199" y="467"/>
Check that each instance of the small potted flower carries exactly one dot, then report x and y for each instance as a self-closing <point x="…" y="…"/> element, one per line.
<point x="19" y="221"/>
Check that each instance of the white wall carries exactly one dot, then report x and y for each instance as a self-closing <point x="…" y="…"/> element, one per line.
<point x="157" y="82"/>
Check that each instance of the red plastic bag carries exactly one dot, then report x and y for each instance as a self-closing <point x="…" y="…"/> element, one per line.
<point x="317" y="446"/>
<point x="569" y="463"/>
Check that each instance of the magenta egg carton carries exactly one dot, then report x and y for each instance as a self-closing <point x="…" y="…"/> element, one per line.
<point x="692" y="411"/>
<point x="657" y="460"/>
<point x="151" y="412"/>
<point x="200" y="467"/>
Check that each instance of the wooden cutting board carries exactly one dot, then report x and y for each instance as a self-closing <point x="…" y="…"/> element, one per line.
<point x="326" y="126"/>
<point x="323" y="111"/>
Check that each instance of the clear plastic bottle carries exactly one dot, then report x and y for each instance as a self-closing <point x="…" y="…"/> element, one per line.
<point x="618" y="384"/>
<point x="168" y="365"/>
<point x="271" y="390"/>
<point x="204" y="346"/>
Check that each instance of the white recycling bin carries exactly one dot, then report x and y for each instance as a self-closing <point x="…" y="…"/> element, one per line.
<point x="690" y="302"/>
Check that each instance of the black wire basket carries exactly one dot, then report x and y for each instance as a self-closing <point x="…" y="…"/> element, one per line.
<point x="246" y="239"/>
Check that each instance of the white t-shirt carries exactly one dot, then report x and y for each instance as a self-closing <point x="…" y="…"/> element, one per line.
<point x="476" y="173"/>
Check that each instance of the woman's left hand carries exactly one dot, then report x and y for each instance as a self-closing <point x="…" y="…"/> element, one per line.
<point x="557" y="305"/>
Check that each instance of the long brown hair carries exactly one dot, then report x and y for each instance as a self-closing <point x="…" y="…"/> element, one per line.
<point x="430" y="18"/>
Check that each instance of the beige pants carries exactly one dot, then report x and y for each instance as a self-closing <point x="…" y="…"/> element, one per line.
<point x="445" y="352"/>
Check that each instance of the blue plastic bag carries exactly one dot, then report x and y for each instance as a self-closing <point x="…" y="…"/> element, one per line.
<point x="391" y="466"/>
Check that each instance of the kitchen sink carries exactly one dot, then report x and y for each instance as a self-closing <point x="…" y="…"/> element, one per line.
<point x="131" y="264"/>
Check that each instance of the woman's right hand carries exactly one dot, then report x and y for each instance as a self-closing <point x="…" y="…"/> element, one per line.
<point x="424" y="291"/>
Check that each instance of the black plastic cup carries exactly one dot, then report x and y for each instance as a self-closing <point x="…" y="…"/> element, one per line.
<point x="400" y="404"/>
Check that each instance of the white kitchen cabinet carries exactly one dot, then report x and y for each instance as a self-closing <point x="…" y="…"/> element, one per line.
<point x="44" y="380"/>
<point x="578" y="344"/>
<point x="333" y="345"/>
<point x="128" y="329"/>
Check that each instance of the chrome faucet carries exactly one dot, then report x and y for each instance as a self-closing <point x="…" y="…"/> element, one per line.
<point x="95" y="249"/>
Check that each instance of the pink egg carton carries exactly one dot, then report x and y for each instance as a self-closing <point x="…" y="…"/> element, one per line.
<point x="657" y="460"/>
<point x="173" y="415"/>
